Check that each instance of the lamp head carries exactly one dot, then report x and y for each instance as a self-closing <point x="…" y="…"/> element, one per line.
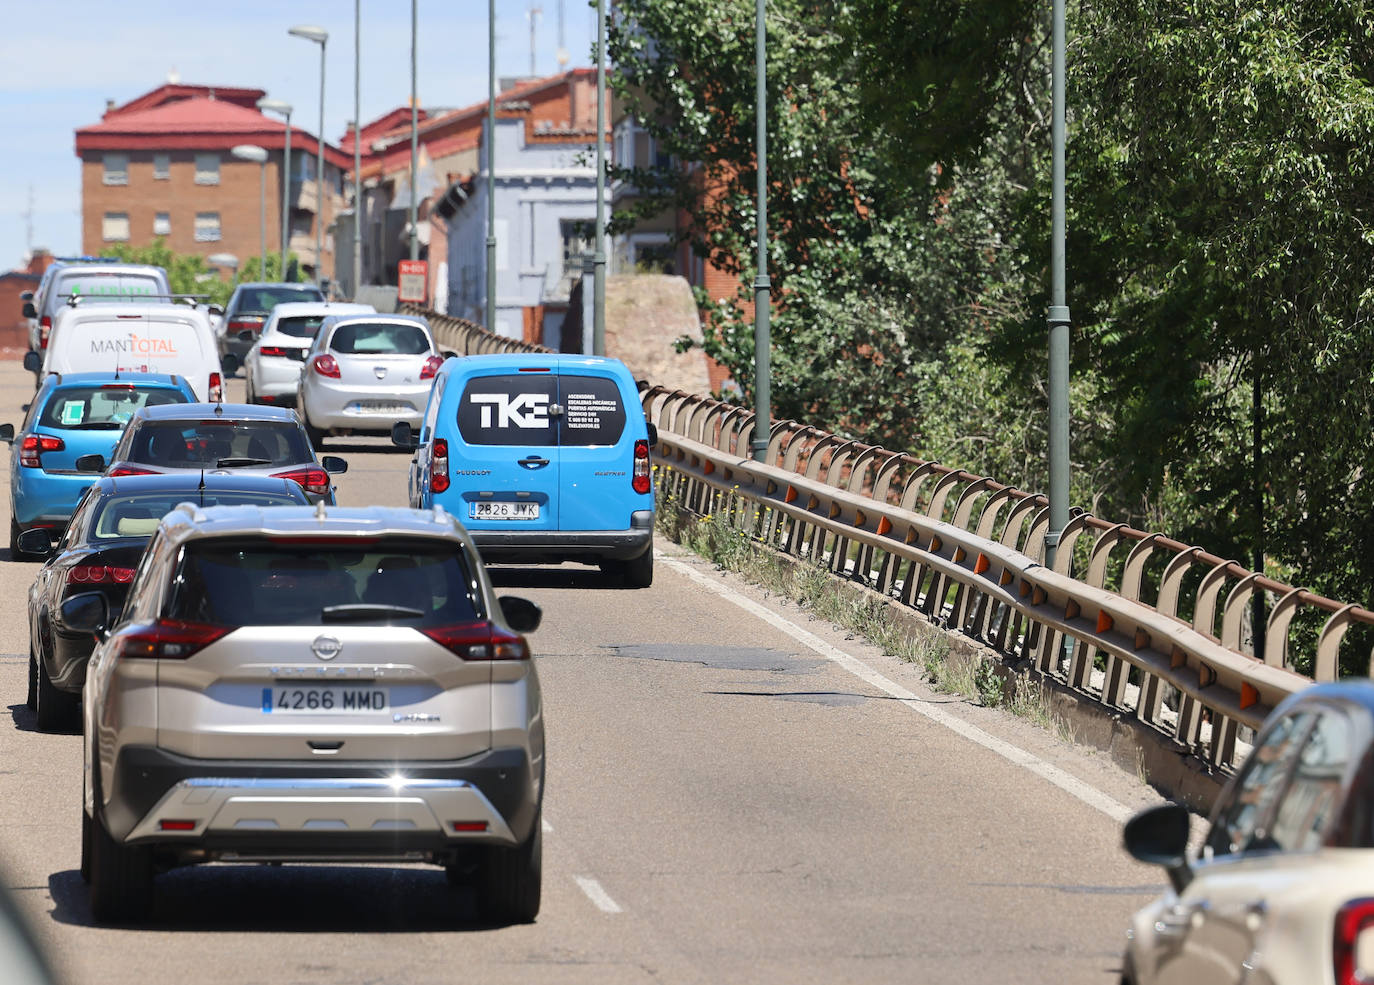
<point x="249" y="152"/>
<point x="310" y="32"/>
<point x="274" y="106"/>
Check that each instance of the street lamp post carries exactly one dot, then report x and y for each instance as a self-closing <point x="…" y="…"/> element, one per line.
<point x="1059" y="310"/>
<point x="414" y="134"/>
<point x="252" y="152"/>
<point x="277" y="106"/>
<point x="599" y="258"/>
<point x="491" y="166"/>
<point x="762" y="285"/>
<point x="320" y="36"/>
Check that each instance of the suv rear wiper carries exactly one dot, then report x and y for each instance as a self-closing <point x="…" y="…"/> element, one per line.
<point x="367" y="610"/>
<point x="239" y="463"/>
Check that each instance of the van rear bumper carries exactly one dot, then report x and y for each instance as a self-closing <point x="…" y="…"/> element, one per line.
<point x="552" y="546"/>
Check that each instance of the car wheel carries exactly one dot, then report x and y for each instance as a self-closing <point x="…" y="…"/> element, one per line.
<point x="86" y="824"/>
<point x="32" y="699"/>
<point x="639" y="573"/>
<point x="121" y="878"/>
<point x="229" y="364"/>
<point x="510" y="880"/>
<point x="57" y="711"/>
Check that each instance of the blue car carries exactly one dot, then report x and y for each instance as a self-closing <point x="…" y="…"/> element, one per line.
<point x="73" y="415"/>
<point x="544" y="458"/>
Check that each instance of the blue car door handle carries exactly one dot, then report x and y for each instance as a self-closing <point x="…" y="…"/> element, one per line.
<point x="534" y="462"/>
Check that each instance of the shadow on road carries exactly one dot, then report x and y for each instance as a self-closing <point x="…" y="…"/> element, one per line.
<point x="289" y="899"/>
<point x="551" y="577"/>
<point x="347" y="445"/>
<point x="24" y="718"/>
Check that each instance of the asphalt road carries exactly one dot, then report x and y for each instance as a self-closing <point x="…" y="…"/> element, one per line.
<point x="731" y="798"/>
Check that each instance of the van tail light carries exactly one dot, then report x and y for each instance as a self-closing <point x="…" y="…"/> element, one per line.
<point x="431" y="367"/>
<point x="119" y="470"/>
<point x="326" y="365"/>
<point x="479" y="641"/>
<point x="1353" y="921"/>
<point x="44" y="327"/>
<point x="216" y="388"/>
<point x="438" y="465"/>
<point x="166" y="639"/>
<point x="311" y="479"/>
<point x="99" y="574"/>
<point x="32" y="447"/>
<point x="641" y="481"/>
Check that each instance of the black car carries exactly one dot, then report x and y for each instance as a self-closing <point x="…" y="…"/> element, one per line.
<point x="246" y="314"/>
<point x="99" y="552"/>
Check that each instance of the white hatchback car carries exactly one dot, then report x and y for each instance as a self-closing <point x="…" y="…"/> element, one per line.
<point x="288" y="684"/>
<point x="1282" y="889"/>
<point x="367" y="373"/>
<point x="273" y="366"/>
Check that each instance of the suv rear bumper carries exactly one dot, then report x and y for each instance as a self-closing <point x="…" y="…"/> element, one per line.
<point x="319" y="809"/>
<point x="553" y="546"/>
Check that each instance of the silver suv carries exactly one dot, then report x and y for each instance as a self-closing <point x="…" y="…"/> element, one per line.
<point x="319" y="685"/>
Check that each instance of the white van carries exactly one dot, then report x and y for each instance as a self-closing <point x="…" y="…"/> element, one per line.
<point x="134" y="338"/>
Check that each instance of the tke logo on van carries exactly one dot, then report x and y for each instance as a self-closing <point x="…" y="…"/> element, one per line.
<point x="134" y="345"/>
<point x="521" y="410"/>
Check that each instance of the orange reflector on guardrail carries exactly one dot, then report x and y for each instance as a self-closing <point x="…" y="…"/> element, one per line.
<point x="1249" y="695"/>
<point x="834" y="509"/>
<point x="981" y="564"/>
<point x="1006" y="578"/>
<point x="884" y="526"/>
<point x="1024" y="588"/>
<point x="791" y="494"/>
<point x="1104" y="622"/>
<point x="935" y="544"/>
<point x="1177" y="658"/>
<point x="709" y="467"/>
<point x="860" y="518"/>
<point x="1072" y="609"/>
<point x="1037" y="595"/>
<point x="1142" y="639"/>
<point x="959" y="554"/>
<point x="1206" y="676"/>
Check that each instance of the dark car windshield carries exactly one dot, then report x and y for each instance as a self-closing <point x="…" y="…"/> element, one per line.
<point x="379" y="338"/>
<point x="205" y="444"/>
<point x="138" y="515"/>
<point x="261" y="300"/>
<point x="280" y="583"/>
<point x="301" y="327"/>
<point x="103" y="407"/>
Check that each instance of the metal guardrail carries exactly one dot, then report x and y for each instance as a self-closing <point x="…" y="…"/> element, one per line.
<point x="967" y="552"/>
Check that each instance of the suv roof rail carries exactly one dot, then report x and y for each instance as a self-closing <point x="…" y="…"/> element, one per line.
<point x="74" y="299"/>
<point x="87" y="259"/>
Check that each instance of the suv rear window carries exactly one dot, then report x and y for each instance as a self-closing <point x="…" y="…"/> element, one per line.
<point x="407" y="582"/>
<point x="106" y="407"/>
<point x="197" y="444"/>
<point x="378" y="339"/>
<point x="106" y="287"/>
<point x="261" y="300"/>
<point x="518" y="409"/>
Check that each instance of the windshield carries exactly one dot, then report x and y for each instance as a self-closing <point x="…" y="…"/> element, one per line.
<point x="219" y="444"/>
<point x="138" y="515"/>
<point x="303" y="327"/>
<point x="273" y="583"/>
<point x="261" y="300"/>
<point x="103" y="407"/>
<point x="99" y="286"/>
<point x="379" y="338"/>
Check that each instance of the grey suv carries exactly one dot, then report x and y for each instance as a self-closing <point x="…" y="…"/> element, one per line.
<point x="298" y="684"/>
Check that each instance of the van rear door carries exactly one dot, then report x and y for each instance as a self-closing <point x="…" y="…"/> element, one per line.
<point x="172" y="343"/>
<point x="506" y="473"/>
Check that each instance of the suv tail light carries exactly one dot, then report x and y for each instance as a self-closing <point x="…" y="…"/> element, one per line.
<point x="32" y="447"/>
<point x="1353" y="921"/>
<point x="44" y="327"/>
<point x="431" y="367"/>
<point x="641" y="480"/>
<point x="311" y="479"/>
<point x="479" y="641"/>
<point x="166" y="639"/>
<point x="438" y="465"/>
<point x="245" y="324"/>
<point x="115" y="473"/>
<point x="326" y="365"/>
<point x="97" y="574"/>
<point x="216" y="388"/>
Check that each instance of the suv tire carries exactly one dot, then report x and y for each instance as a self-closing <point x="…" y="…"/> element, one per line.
<point x="121" y="878"/>
<point x="56" y="711"/>
<point x="509" y="880"/>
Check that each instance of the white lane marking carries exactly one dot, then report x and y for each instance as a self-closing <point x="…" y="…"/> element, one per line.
<point x="599" y="897"/>
<point x="548" y="828"/>
<point x="1067" y="782"/>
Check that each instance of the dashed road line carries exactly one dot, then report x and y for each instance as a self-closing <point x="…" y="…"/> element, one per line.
<point x="599" y="897"/>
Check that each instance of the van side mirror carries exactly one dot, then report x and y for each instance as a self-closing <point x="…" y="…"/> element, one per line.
<point x="214" y="309"/>
<point x="333" y="464"/>
<point x="33" y="362"/>
<point x="404" y="436"/>
<point x="91" y="463"/>
<point x="29" y="310"/>
<point x="7" y="433"/>
<point x="521" y="615"/>
<point x="36" y="541"/>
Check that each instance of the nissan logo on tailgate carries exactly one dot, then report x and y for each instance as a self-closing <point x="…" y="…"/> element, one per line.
<point x="325" y="647"/>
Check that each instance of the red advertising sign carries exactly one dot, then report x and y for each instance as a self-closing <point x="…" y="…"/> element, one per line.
<point x="411" y="278"/>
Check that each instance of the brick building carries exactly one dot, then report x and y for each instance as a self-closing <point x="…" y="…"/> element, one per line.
<point x="160" y="167"/>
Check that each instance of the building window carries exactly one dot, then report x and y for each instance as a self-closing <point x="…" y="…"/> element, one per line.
<point x="114" y="228"/>
<point x="207" y="170"/>
<point x="162" y="166"/>
<point x="207" y="227"/>
<point x="162" y="224"/>
<point x="117" y="169"/>
<point x="578" y="242"/>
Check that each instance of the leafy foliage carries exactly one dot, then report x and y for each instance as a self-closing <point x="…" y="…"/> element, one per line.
<point x="190" y="274"/>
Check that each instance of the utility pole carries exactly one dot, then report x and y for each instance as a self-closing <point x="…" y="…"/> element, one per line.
<point x="491" y="166"/>
<point x="1059" y="310"/>
<point x="762" y="285"/>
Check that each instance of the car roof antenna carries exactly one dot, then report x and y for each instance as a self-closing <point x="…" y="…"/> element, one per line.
<point x="219" y="408"/>
<point x="201" y="487"/>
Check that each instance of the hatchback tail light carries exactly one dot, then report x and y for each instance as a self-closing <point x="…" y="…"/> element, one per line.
<point x="479" y="641"/>
<point x="311" y="479"/>
<point x="98" y="574"/>
<point x="166" y="639"/>
<point x="273" y="350"/>
<point x="44" y="327"/>
<point x="431" y="367"/>
<point x="1353" y="921"/>
<point x="216" y="388"/>
<point x="438" y="465"/>
<point x="641" y="481"/>
<point x="32" y="447"/>
<point x="326" y="365"/>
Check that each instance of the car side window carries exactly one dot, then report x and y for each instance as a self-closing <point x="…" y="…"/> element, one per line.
<point x="76" y="526"/>
<point x="436" y="397"/>
<point x="1313" y="794"/>
<point x="1242" y="823"/>
<point x="141" y="604"/>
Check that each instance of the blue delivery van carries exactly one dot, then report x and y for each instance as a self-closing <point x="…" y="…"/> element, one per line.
<point x="544" y="458"/>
